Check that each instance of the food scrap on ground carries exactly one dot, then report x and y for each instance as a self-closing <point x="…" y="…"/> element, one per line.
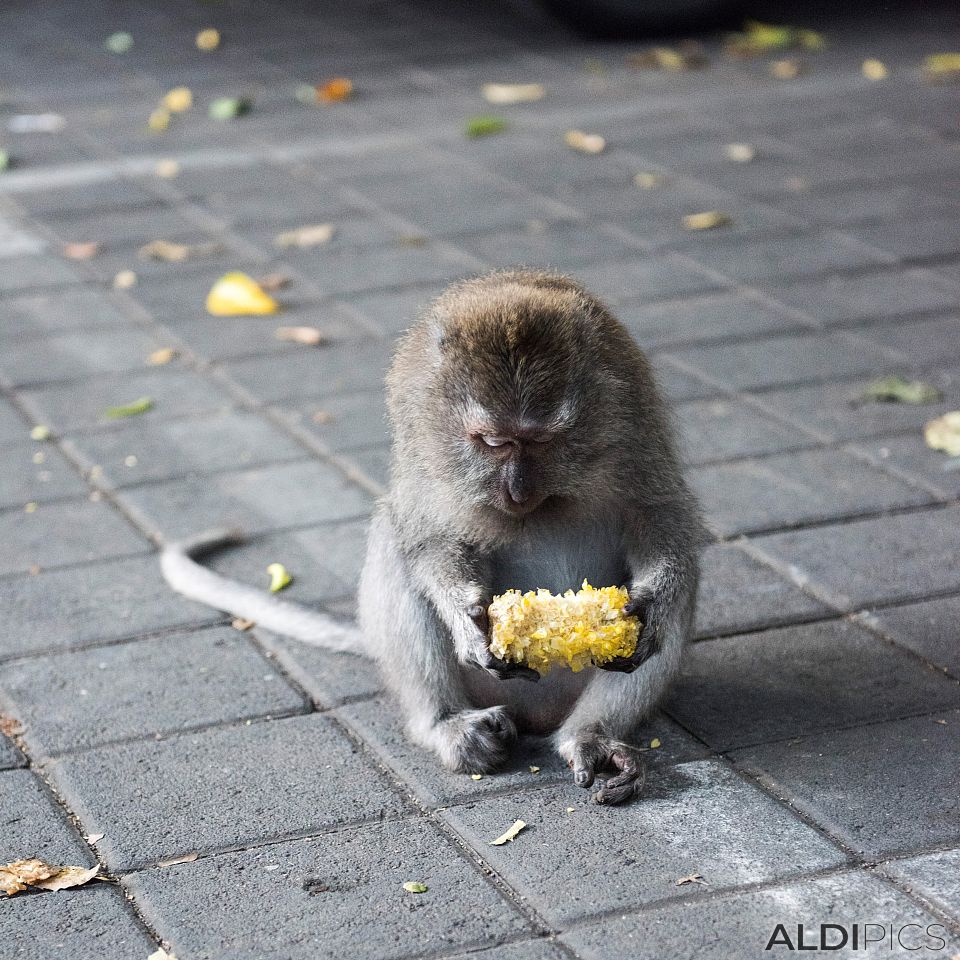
<point x="235" y="295"/>
<point x="141" y="405"/>
<point x="119" y="42"/>
<point x="334" y="91"/>
<point x="505" y="94"/>
<point x="124" y="280"/>
<point x="788" y="69"/>
<point x="167" y="169"/>
<point x="708" y="220"/>
<point x="509" y="835"/>
<point x="484" y="126"/>
<point x="35" y="873"/>
<point x="739" y="152"/>
<point x="238" y="623"/>
<point x="307" y="336"/>
<point x="476" y="776"/>
<point x="40" y="432"/>
<point x="759" y="38"/>
<point x="159" y="120"/>
<point x="161" y="357"/>
<point x="898" y="389"/>
<point x="874" y="69"/>
<point x="687" y="56"/>
<point x="943" y="433"/>
<point x="85" y="250"/>
<point x="584" y="142"/>
<point x="178" y="100"/>
<point x="942" y="66"/>
<point x="226" y="108"/>
<point x="655" y="743"/>
<point x="208" y="39"/>
<point x="411" y="886"/>
<point x="279" y="578"/>
<point x="648" y="180"/>
<point x="310" y="236"/>
<point x="166" y="251"/>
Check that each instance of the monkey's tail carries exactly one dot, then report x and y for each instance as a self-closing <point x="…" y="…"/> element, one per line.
<point x="186" y="576"/>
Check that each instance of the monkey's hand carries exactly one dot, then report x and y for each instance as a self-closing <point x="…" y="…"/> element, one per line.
<point x="474" y="648"/>
<point x="592" y="753"/>
<point x="649" y="608"/>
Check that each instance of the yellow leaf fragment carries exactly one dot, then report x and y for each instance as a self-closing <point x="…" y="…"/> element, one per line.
<point x="177" y="100"/>
<point x="81" y="251"/>
<point x="647" y="180"/>
<point x="279" y="578"/>
<point x="504" y="94"/>
<point x="509" y="835"/>
<point x="235" y="294"/>
<point x="739" y="152"/>
<point x="943" y="433"/>
<point x="17" y="876"/>
<point x="942" y="66"/>
<point x="141" y="405"/>
<point x="574" y="630"/>
<point x="309" y="236"/>
<point x="708" y="220"/>
<point x="124" y="280"/>
<point x="161" y="357"/>
<point x="308" y="336"/>
<point x="208" y="39"/>
<point x="411" y="886"/>
<point x="874" y="69"/>
<point x="591" y="143"/>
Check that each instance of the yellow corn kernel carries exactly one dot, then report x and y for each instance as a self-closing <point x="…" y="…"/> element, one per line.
<point x="576" y="629"/>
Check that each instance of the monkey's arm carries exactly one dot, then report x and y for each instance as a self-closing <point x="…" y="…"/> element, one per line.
<point x="455" y="579"/>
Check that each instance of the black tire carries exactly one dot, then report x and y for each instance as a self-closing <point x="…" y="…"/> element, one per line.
<point x="632" y="18"/>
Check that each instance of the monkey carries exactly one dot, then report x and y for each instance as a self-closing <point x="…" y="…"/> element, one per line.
<point x="530" y="448"/>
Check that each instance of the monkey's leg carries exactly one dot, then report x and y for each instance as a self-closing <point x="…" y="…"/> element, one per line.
<point x="596" y="733"/>
<point x="416" y="656"/>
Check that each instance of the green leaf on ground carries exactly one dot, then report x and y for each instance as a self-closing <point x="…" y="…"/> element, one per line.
<point x="142" y="405"/>
<point x="484" y="126"/>
<point x="897" y="389"/>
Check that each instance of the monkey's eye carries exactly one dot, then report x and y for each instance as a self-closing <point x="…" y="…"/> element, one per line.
<point x="495" y="441"/>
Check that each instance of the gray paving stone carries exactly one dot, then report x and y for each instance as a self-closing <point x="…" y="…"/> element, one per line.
<point x="91" y="603"/>
<point x="719" y="316"/>
<point x="56" y="534"/>
<point x="842" y="299"/>
<point x="10" y="754"/>
<point x="789" y="359"/>
<point x="935" y="877"/>
<point x="13" y="427"/>
<point x="693" y="814"/>
<point x="903" y="765"/>
<point x="344" y="422"/>
<point x="395" y="310"/>
<point x="798" y="256"/>
<point x="726" y="429"/>
<point x="38" y="270"/>
<point x="36" y="472"/>
<point x="374" y="463"/>
<point x="205" y="791"/>
<point x="799" y="680"/>
<point x="929" y="628"/>
<point x="135" y="452"/>
<point x="81" y="405"/>
<point x="795" y="488"/>
<point x="678" y="385"/>
<point x="643" y="278"/>
<point x="74" y="700"/>
<point x="742" y="924"/>
<point x="914" y="238"/>
<point x="908" y="454"/>
<point x="381" y="724"/>
<point x="330" y="897"/>
<point x="340" y="368"/>
<point x="90" y="922"/>
<point x="738" y="593"/>
<point x="878" y="560"/>
<point x="71" y="356"/>
<point x="58" y="313"/>
<point x="545" y="949"/>
<point x="34" y="825"/>
<point x="924" y="342"/>
<point x="255" y="500"/>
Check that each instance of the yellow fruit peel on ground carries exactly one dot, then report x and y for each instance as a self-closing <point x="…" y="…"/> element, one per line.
<point x="279" y="577"/>
<point x="235" y="294"/>
<point x="543" y="630"/>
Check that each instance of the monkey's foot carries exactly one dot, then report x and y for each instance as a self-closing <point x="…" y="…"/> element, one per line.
<point x="592" y="754"/>
<point x="475" y="741"/>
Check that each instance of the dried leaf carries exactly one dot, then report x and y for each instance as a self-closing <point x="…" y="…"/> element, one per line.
<point x="334" y="91"/>
<point x="310" y="236"/>
<point x="897" y="389"/>
<point x="788" y="69"/>
<point x="81" y="251"/>
<point x="164" y="250"/>
<point x="227" y="108"/>
<point x="690" y="56"/>
<point x="161" y="954"/>
<point x="509" y="835"/>
<point x="208" y="39"/>
<point x="10" y="726"/>
<point x="167" y="169"/>
<point x="691" y="878"/>
<point x="944" y="433"/>
<point x="161" y="357"/>
<point x="124" y="280"/>
<point x="142" y="405"/>
<point x="235" y="294"/>
<point x="67" y="877"/>
<point x="874" y="69"/>
<point x="279" y="578"/>
<point x="412" y="240"/>
<point x="119" y="42"/>
<point x="177" y="100"/>
<point x="708" y="220"/>
<point x="739" y="152"/>
<point x="411" y="886"/>
<point x="95" y="837"/>
<point x="40" y="432"/>
<point x="942" y="66"/>
<point x="585" y="142"/>
<point x="308" y="336"/>
<point x="183" y="858"/>
<point x="504" y="94"/>
<point x="242" y="625"/>
<point x="649" y="181"/>
<point x="484" y="126"/>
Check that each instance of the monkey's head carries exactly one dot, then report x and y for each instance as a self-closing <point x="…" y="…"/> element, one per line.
<point x="508" y="392"/>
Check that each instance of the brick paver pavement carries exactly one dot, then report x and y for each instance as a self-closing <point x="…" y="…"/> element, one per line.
<point x="810" y="757"/>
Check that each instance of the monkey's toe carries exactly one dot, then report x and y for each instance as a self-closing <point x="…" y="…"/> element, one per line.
<point x="480" y="740"/>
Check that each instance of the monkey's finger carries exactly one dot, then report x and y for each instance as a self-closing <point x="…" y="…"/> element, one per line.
<point x="620" y="665"/>
<point x="514" y="671"/>
<point x="477" y="612"/>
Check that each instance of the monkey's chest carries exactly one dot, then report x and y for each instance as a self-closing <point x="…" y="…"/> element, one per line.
<point x="560" y="557"/>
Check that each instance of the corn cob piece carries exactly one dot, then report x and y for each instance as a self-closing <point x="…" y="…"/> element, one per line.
<point x="576" y="629"/>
